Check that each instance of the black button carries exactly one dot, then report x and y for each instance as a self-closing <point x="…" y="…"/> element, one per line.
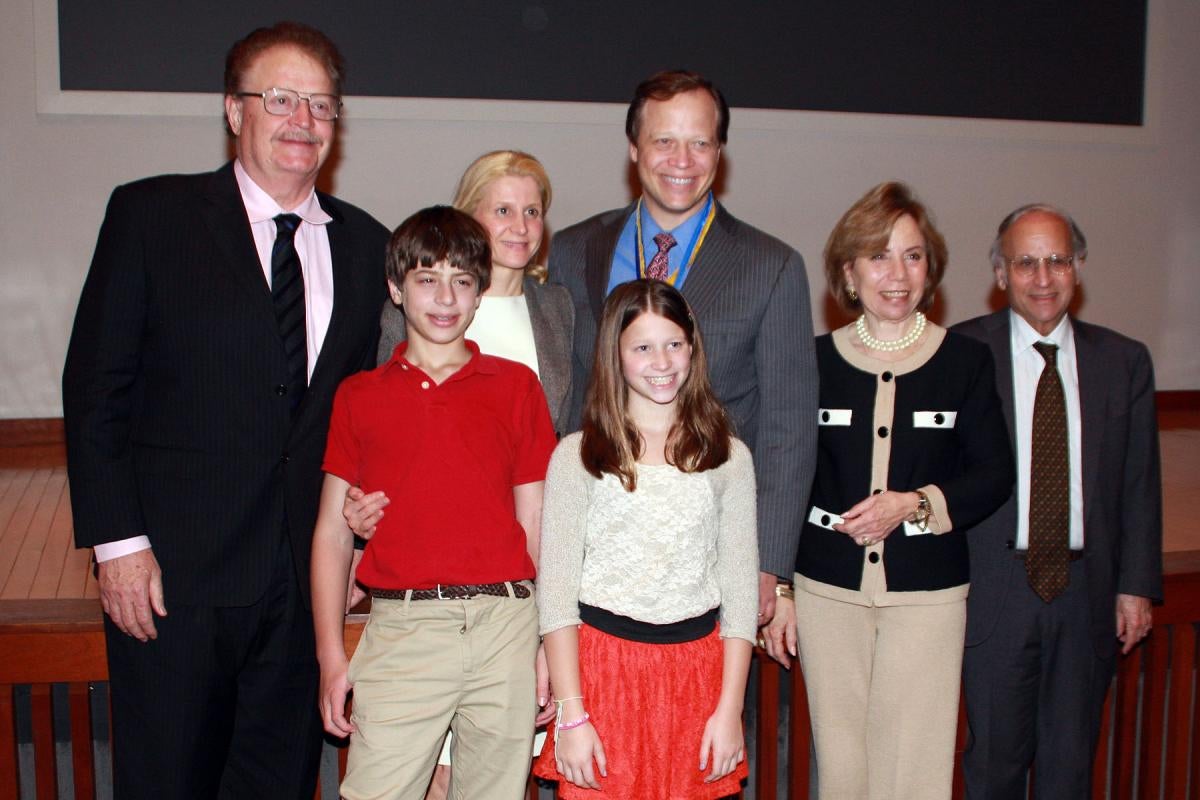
<point x="877" y="491"/>
<point x="939" y="418"/>
<point x="824" y="416"/>
<point x="883" y="432"/>
<point x="285" y="458"/>
<point x="887" y="376"/>
<point x="824" y="519"/>
<point x="873" y="557"/>
<point x="281" y="390"/>
<point x="1010" y="544"/>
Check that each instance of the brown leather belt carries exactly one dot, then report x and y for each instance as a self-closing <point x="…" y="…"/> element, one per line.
<point x="464" y="592"/>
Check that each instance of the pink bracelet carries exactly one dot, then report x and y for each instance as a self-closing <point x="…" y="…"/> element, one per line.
<point x="566" y="726"/>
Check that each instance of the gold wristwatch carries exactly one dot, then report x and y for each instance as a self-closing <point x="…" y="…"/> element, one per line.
<point x="923" y="512"/>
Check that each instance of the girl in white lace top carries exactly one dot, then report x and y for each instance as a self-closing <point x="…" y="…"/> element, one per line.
<point x="648" y="539"/>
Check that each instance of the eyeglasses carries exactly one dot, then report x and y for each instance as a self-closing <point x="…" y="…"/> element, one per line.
<point x="1026" y="266"/>
<point x="284" y="102"/>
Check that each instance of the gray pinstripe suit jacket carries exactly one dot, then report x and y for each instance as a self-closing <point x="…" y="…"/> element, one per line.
<point x="749" y="292"/>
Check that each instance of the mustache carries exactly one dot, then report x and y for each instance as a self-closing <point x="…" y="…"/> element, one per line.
<point x="300" y="136"/>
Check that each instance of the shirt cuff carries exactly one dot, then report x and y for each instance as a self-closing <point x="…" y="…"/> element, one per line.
<point x="110" y="550"/>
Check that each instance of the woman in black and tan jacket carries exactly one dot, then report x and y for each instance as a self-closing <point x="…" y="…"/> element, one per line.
<point x="912" y="451"/>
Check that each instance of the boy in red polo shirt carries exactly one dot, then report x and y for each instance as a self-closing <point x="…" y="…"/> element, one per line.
<point x="460" y="442"/>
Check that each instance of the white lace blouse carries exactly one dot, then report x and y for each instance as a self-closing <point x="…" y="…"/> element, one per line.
<point x="679" y="545"/>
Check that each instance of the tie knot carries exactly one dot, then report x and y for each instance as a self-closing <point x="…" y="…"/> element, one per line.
<point x="285" y="225"/>
<point x="665" y="241"/>
<point x="1047" y="351"/>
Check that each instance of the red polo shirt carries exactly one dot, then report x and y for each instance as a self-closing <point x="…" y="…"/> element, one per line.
<point x="448" y="457"/>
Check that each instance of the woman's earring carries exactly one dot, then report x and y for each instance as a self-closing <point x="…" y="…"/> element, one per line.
<point x="853" y="294"/>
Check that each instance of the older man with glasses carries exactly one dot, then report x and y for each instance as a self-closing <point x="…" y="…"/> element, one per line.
<point x="1067" y="569"/>
<point x="219" y="315"/>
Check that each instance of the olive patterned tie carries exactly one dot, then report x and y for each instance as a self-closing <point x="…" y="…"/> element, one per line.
<point x="1049" y="553"/>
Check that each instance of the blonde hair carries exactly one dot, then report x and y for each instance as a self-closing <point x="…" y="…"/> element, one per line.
<point x="497" y="164"/>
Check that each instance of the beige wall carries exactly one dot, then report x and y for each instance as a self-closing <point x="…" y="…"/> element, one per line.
<point x="1135" y="192"/>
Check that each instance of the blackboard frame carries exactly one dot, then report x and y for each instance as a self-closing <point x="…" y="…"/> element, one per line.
<point x="52" y="99"/>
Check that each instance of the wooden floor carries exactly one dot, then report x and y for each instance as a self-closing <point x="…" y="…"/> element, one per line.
<point x="38" y="559"/>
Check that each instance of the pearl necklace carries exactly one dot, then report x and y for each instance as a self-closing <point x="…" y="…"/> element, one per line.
<point x="871" y="343"/>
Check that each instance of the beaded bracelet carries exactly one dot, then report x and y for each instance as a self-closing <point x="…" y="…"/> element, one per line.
<point x="566" y="726"/>
<point x="558" y="723"/>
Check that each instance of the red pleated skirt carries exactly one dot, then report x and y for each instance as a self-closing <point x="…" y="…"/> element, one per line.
<point x="649" y="704"/>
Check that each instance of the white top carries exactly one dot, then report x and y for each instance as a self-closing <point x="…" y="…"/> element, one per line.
<point x="1027" y="369"/>
<point x="679" y="545"/>
<point x="502" y="328"/>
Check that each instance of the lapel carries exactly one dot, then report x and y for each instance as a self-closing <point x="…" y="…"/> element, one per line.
<point x="1093" y="406"/>
<point x="224" y="215"/>
<point x="999" y="339"/>
<point x="708" y="279"/>
<point x="598" y="259"/>
<point x="552" y="347"/>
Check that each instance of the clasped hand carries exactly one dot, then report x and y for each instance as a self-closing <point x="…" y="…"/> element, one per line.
<point x="873" y="519"/>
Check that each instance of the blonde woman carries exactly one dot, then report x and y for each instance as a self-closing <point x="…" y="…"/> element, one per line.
<point x="521" y="317"/>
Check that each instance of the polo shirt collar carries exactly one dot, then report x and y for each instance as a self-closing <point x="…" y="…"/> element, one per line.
<point x="476" y="364"/>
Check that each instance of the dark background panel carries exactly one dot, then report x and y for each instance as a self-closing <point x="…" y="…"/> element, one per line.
<point x="1070" y="61"/>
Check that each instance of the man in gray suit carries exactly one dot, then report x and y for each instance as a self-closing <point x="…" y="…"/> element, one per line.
<point x="748" y="290"/>
<point x="1070" y="565"/>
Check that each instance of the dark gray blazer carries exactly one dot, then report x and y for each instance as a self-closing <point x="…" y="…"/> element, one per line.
<point x="1122" y="486"/>
<point x="749" y="292"/>
<point x="553" y="319"/>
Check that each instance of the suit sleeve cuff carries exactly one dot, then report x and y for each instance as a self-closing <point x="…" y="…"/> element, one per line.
<point x="110" y="550"/>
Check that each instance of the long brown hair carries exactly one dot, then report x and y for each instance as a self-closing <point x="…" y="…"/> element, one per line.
<point x="699" y="437"/>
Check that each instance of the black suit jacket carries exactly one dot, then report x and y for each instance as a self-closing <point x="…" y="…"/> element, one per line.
<point x="174" y="392"/>
<point x="749" y="292"/>
<point x="1122" y="485"/>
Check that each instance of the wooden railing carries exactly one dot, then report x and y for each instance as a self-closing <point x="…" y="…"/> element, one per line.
<point x="1150" y="735"/>
<point x="55" y="742"/>
<point x="54" y="724"/>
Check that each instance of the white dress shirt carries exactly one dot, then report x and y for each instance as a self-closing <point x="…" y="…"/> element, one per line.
<point x="316" y="265"/>
<point x="1027" y="366"/>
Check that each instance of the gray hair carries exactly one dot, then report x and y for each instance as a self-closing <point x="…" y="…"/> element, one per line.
<point x="1078" y="240"/>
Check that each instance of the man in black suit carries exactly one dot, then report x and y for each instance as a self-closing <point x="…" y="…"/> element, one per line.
<point x="219" y="314"/>
<point x="749" y="292"/>
<point x="1070" y="565"/>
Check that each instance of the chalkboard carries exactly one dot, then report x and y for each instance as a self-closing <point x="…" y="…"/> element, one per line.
<point x="1067" y="61"/>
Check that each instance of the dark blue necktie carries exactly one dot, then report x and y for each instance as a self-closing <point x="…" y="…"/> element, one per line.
<point x="287" y="293"/>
